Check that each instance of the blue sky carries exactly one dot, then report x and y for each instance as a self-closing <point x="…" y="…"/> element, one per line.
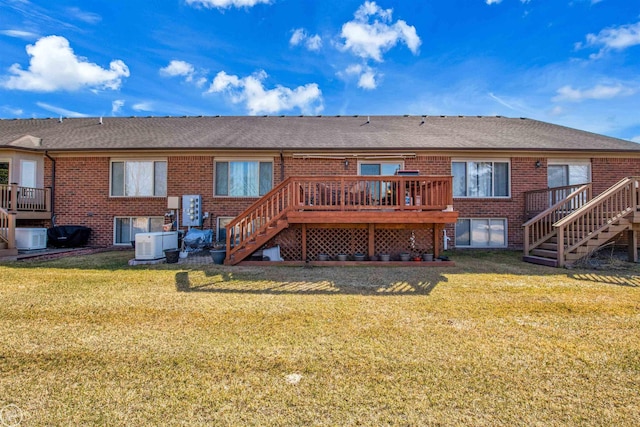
<point x="570" y="62"/>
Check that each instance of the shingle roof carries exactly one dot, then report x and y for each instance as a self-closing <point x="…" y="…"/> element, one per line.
<point x="303" y="133"/>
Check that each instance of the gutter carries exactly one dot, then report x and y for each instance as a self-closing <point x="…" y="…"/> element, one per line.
<point x="53" y="186"/>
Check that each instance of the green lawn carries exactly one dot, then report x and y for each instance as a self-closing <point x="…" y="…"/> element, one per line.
<point x="493" y="341"/>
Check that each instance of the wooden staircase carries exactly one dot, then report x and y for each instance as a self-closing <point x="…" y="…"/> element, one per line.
<point x="262" y="221"/>
<point x="577" y="226"/>
<point x="7" y="234"/>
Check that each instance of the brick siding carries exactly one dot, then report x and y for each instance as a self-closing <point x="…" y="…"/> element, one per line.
<point x="82" y="189"/>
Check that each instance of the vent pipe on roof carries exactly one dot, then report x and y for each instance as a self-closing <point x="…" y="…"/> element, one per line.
<point x="100" y="122"/>
<point x="60" y="119"/>
<point x="368" y="121"/>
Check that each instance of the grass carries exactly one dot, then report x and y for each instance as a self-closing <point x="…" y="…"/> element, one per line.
<point x="492" y="341"/>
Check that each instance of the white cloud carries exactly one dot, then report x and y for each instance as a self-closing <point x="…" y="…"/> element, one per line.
<point x="13" y="111"/>
<point x="116" y="106"/>
<point x="614" y="38"/>
<point x="258" y="100"/>
<point x="371" y="39"/>
<point x="54" y="66"/>
<point x="224" y="4"/>
<point x="143" y="106"/>
<point x="368" y="77"/>
<point x="568" y="93"/>
<point x="184" y="69"/>
<point x="300" y="36"/>
<point x="178" y="68"/>
<point x="636" y="139"/>
<point x="490" y="2"/>
<point x="88" y="17"/>
<point x="19" y="34"/>
<point x="61" y="111"/>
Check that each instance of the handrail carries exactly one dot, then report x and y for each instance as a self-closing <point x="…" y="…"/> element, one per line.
<point x="540" y="228"/>
<point x="8" y="228"/>
<point x="596" y="215"/>
<point x="339" y="193"/>
<point x="259" y="216"/>
<point x="537" y="201"/>
<point x="25" y="199"/>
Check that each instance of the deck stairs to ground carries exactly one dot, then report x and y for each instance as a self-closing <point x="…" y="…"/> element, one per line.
<point x="7" y="234"/>
<point x="579" y="225"/>
<point x="259" y="223"/>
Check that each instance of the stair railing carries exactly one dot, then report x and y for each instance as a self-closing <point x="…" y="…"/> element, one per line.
<point x="539" y="229"/>
<point x="260" y="215"/>
<point x="8" y="228"/>
<point x="538" y="201"/>
<point x="600" y="212"/>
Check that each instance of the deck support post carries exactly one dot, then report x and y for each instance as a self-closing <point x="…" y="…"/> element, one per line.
<point x="372" y="241"/>
<point x="436" y="240"/>
<point x="304" y="242"/>
<point x="632" y="241"/>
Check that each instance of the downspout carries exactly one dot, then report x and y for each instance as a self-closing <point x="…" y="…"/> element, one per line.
<point x="281" y="166"/>
<point x="53" y="187"/>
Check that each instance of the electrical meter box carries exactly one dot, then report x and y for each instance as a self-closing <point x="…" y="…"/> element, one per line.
<point x="191" y="210"/>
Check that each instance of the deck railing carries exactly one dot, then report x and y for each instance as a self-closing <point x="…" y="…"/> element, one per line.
<point x="540" y="228"/>
<point x="14" y="198"/>
<point x="578" y="227"/>
<point x="538" y="201"/>
<point x="340" y="193"/>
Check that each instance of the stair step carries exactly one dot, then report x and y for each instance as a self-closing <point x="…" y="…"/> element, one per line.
<point x="544" y="253"/>
<point x="549" y="246"/>
<point x="540" y="261"/>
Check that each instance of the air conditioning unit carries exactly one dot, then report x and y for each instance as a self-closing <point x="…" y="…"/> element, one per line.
<point x="150" y="246"/>
<point x="31" y="238"/>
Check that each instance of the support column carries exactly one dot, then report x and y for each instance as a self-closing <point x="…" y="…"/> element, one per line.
<point x="632" y="240"/>
<point x="436" y="240"/>
<point x="304" y="242"/>
<point x="372" y="240"/>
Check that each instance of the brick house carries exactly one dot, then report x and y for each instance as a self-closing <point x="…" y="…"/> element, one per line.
<point x="324" y="184"/>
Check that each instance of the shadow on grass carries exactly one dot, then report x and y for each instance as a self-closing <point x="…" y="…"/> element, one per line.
<point x="334" y="282"/>
<point x="609" y="279"/>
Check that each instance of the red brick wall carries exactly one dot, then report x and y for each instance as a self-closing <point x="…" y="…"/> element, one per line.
<point x="606" y="172"/>
<point x="82" y="189"/>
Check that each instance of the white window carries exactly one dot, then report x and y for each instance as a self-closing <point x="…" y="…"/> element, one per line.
<point x="243" y="178"/>
<point x="379" y="168"/>
<point x="126" y="228"/>
<point x="481" y="232"/>
<point x="564" y="173"/>
<point x="480" y="178"/>
<point x="4" y="172"/>
<point x="139" y="178"/>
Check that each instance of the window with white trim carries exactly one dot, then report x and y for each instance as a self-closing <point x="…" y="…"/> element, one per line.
<point x="138" y="178"/>
<point x="481" y="233"/>
<point x="243" y="178"/>
<point x="125" y="227"/>
<point x="480" y="178"/>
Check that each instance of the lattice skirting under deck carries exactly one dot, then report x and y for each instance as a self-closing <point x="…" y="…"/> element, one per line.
<point x="333" y="241"/>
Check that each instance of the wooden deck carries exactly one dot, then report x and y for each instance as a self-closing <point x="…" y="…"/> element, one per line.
<point x="363" y="214"/>
<point x="17" y="203"/>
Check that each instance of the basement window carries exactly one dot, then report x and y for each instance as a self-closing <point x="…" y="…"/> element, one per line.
<point x="126" y="228"/>
<point x="481" y="233"/>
